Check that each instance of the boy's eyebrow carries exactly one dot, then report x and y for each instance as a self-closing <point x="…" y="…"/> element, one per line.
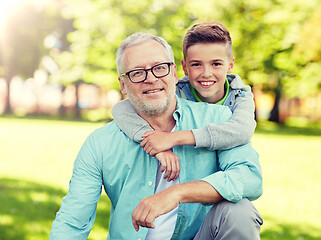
<point x="212" y="60"/>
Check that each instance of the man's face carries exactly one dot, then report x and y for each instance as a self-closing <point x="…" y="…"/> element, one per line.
<point x="206" y="65"/>
<point x="155" y="95"/>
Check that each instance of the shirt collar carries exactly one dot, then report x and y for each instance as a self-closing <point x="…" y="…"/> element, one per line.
<point x="177" y="113"/>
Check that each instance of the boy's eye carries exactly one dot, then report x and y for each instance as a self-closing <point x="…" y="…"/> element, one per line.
<point x="216" y="64"/>
<point x="195" y="65"/>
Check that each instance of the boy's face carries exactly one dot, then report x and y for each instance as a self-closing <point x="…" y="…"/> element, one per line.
<point x="206" y="65"/>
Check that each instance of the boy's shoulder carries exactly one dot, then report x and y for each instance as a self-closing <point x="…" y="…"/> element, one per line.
<point x="237" y="83"/>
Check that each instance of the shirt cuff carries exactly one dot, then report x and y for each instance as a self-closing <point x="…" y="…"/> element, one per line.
<point x="202" y="137"/>
<point x="222" y="183"/>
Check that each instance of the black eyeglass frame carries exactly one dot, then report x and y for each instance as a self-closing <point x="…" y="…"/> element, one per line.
<point x="146" y="70"/>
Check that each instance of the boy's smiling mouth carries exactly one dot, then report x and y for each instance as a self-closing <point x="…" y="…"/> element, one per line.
<point x="206" y="83"/>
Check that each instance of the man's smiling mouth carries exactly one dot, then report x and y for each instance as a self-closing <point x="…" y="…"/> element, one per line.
<point x="153" y="91"/>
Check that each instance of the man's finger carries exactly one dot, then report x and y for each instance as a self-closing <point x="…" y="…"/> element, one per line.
<point x="168" y="169"/>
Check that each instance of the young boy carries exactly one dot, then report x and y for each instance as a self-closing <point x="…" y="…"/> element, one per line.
<point x="207" y="64"/>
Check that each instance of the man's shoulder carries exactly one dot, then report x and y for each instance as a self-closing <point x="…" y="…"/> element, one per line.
<point x="109" y="132"/>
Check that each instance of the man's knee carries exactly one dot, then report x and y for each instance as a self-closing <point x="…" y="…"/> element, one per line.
<point x="241" y="211"/>
<point x="239" y="219"/>
<point x="227" y="220"/>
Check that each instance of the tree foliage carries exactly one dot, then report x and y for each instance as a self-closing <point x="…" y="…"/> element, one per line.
<point x="264" y="34"/>
<point x="276" y="42"/>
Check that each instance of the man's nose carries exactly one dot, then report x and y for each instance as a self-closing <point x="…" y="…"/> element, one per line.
<point x="150" y="78"/>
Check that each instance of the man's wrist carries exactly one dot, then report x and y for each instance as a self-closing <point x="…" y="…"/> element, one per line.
<point x="198" y="191"/>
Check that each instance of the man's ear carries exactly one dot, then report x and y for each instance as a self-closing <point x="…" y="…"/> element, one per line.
<point x="122" y="86"/>
<point x="231" y="65"/>
<point x="184" y="66"/>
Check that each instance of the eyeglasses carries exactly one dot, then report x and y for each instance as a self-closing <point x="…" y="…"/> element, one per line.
<point x="140" y="75"/>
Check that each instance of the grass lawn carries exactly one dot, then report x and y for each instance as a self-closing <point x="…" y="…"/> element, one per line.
<point x="36" y="160"/>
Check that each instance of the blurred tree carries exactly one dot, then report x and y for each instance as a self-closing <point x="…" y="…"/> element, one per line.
<point x="101" y="26"/>
<point x="264" y="35"/>
<point x="22" y="42"/>
<point x="307" y="53"/>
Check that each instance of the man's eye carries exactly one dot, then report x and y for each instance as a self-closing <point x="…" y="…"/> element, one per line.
<point x="137" y="73"/>
<point x="159" y="68"/>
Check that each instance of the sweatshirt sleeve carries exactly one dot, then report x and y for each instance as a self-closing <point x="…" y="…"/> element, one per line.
<point x="129" y="121"/>
<point x="235" y="132"/>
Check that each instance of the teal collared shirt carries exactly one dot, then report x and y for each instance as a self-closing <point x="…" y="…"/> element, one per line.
<point x="111" y="160"/>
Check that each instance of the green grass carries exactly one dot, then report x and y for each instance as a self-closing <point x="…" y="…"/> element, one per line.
<point x="36" y="160"/>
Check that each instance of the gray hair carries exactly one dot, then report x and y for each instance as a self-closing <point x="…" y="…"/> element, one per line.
<point x="135" y="39"/>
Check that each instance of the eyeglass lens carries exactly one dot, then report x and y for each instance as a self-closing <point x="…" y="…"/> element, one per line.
<point x="159" y="70"/>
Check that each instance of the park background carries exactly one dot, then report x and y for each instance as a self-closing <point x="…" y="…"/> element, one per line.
<point x="58" y="83"/>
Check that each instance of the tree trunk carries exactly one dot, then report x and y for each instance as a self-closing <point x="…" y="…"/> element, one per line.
<point x="77" y="108"/>
<point x="62" y="109"/>
<point x="274" y="115"/>
<point x="7" y="109"/>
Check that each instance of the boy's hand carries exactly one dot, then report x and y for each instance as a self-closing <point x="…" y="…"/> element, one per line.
<point x="155" y="142"/>
<point x="170" y="163"/>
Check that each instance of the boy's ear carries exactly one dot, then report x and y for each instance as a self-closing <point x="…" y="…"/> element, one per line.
<point x="231" y="65"/>
<point x="122" y="86"/>
<point x="184" y="66"/>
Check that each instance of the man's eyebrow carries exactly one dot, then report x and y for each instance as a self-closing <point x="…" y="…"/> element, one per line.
<point x="153" y="64"/>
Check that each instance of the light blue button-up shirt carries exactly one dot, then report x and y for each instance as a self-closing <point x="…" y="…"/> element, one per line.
<point x="110" y="159"/>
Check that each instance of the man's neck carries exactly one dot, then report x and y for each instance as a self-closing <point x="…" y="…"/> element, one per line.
<point x="164" y="122"/>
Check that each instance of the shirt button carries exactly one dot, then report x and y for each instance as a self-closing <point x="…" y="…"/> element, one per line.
<point x="150" y="183"/>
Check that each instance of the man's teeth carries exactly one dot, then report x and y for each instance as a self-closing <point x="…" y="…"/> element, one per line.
<point x="153" y="91"/>
<point x="207" y="83"/>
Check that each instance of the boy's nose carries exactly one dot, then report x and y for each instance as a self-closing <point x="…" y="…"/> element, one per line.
<point x="207" y="72"/>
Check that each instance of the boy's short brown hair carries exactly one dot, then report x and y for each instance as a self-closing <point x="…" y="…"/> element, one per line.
<point x="207" y="32"/>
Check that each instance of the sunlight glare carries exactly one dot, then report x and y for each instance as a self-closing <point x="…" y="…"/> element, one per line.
<point x="5" y="7"/>
<point x="8" y="5"/>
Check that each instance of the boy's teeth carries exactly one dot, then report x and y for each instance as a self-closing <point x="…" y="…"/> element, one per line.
<point x="207" y="83"/>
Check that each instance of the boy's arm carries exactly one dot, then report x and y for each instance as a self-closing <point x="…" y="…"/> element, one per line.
<point x="129" y="121"/>
<point x="238" y="130"/>
<point x="235" y="132"/>
<point x="134" y="127"/>
<point x="155" y="141"/>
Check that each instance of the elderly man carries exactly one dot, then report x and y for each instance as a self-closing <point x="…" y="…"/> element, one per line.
<point x="209" y="200"/>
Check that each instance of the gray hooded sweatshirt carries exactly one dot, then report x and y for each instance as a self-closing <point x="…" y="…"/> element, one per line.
<point x="237" y="131"/>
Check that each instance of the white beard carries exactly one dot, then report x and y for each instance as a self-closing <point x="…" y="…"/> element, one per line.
<point x="153" y="107"/>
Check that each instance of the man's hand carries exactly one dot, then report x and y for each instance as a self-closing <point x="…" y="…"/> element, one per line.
<point x="155" y="142"/>
<point x="170" y="163"/>
<point x="152" y="207"/>
<point x="165" y="201"/>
